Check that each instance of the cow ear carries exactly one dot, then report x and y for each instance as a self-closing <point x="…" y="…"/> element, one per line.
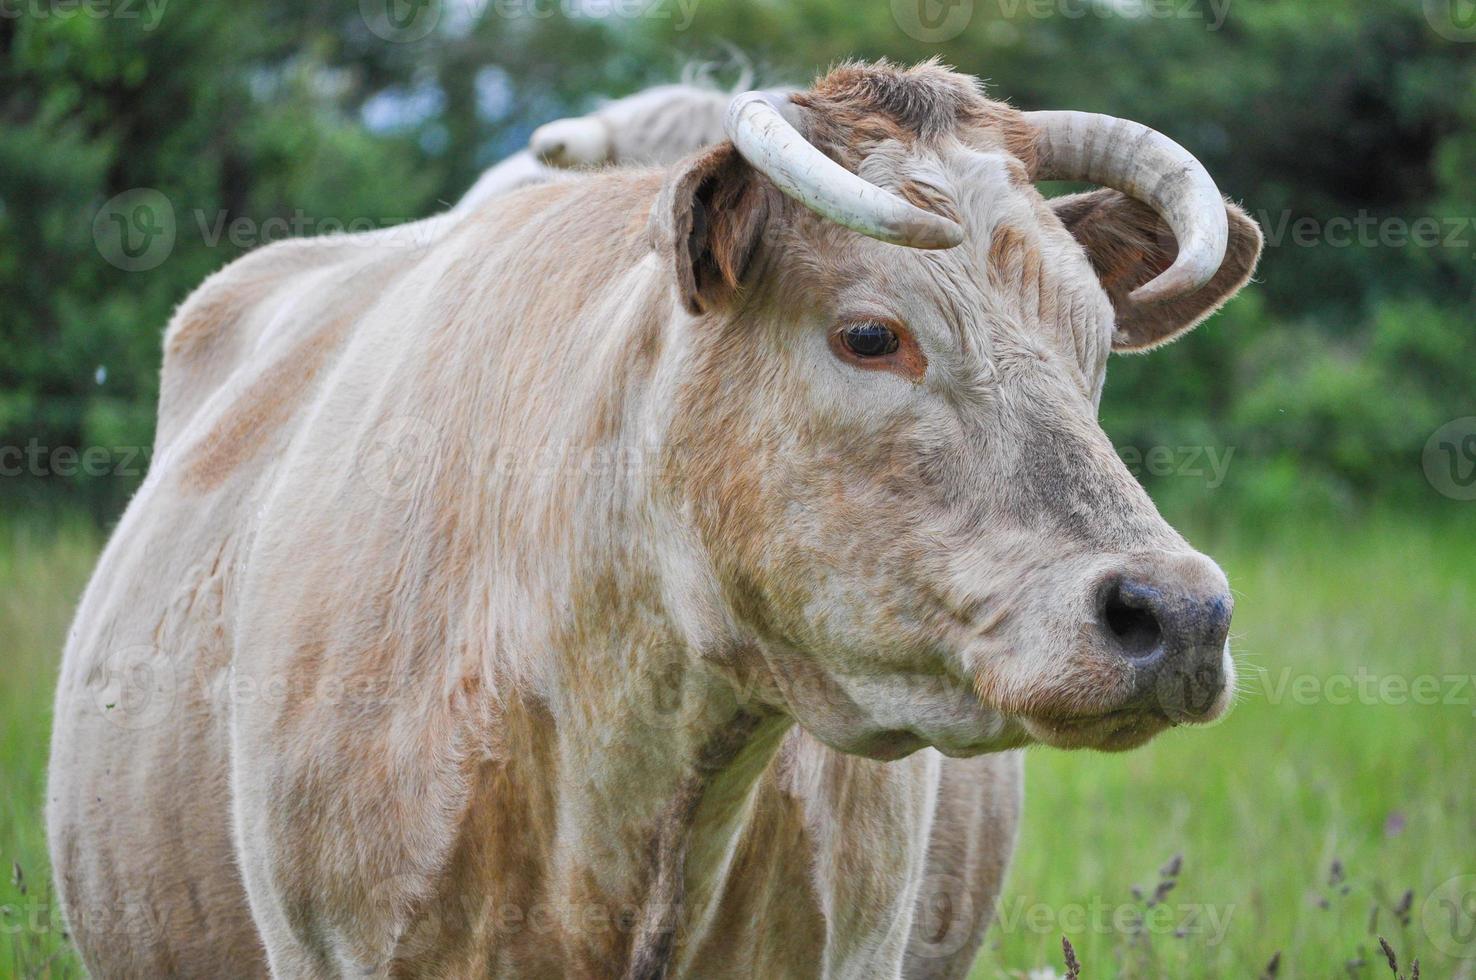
<point x="1128" y="244"/>
<point x="707" y="221"/>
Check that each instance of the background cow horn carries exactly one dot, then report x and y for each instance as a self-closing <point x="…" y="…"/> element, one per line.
<point x="776" y="149"/>
<point x="1150" y="167"/>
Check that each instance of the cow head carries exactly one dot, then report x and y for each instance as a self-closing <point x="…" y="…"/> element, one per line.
<point x="885" y="430"/>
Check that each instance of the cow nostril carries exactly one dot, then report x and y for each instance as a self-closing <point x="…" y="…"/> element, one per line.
<point x="1129" y="617"/>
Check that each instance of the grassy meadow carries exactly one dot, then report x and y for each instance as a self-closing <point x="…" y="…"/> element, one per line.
<point x="43" y="569"/>
<point x="1297" y="815"/>
<point x="1299" y="823"/>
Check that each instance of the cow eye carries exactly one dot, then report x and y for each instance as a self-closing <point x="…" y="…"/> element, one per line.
<point x="869" y="339"/>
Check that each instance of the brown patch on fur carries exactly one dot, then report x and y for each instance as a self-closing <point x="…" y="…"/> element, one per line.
<point x="1005" y="251"/>
<point x="929" y="199"/>
<point x="490" y="907"/>
<point x="204" y="322"/>
<point x="927" y="100"/>
<point x="1018" y="270"/>
<point x="259" y="411"/>
<point x="771" y="875"/>
<point x="655" y="934"/>
<point x="1018" y="174"/>
<point x="858" y="104"/>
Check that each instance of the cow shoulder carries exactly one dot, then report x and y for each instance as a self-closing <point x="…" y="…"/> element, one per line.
<point x="238" y="319"/>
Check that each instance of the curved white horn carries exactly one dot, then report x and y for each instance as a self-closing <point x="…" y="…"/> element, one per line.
<point x="1150" y="167"/>
<point x="776" y="149"/>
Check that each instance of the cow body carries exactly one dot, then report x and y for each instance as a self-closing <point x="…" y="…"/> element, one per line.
<point x="334" y="708"/>
<point x="483" y="615"/>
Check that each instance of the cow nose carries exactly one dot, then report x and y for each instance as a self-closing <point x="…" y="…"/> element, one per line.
<point x="1171" y="628"/>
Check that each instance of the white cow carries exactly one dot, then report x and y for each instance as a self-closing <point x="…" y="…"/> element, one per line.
<point x="592" y="585"/>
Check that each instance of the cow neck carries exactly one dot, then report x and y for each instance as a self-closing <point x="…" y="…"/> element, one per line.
<point x="652" y="751"/>
<point x="657" y="774"/>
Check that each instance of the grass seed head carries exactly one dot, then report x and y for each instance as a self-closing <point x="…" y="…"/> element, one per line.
<point x="1389" y="955"/>
<point x="1073" y="967"/>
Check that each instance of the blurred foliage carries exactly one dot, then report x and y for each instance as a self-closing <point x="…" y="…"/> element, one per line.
<point x="1325" y="379"/>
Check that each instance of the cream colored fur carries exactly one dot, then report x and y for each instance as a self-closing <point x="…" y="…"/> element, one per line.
<point x="487" y="613"/>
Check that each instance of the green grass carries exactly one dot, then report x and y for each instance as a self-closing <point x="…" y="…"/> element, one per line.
<point x="1259" y="806"/>
<point x="1262" y="805"/>
<point x="42" y="573"/>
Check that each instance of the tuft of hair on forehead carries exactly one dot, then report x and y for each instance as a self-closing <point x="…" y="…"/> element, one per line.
<point x="857" y="103"/>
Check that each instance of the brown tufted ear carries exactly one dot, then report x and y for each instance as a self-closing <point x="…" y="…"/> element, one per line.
<point x="708" y="220"/>
<point x="1128" y="245"/>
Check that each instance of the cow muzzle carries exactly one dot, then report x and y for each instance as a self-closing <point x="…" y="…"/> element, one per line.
<point x="1168" y="626"/>
<point x="1152" y="653"/>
